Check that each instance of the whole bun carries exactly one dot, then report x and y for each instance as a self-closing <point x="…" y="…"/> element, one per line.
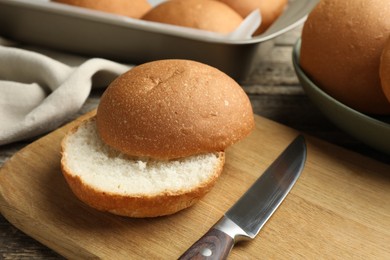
<point x="156" y="145"/>
<point x="173" y="108"/>
<point x="269" y="9"/>
<point x="385" y="69"/>
<point x="133" y="8"/>
<point x="207" y="15"/>
<point x="342" y="42"/>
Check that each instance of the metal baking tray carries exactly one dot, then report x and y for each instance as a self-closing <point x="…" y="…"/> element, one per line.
<point x="97" y="34"/>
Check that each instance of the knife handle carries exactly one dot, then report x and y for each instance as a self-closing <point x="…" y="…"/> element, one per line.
<point x="215" y="244"/>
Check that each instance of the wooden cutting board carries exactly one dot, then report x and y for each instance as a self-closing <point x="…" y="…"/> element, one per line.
<point x="339" y="208"/>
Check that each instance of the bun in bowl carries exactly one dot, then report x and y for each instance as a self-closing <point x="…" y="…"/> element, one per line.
<point x="133" y="8"/>
<point x="156" y="145"/>
<point x="206" y="15"/>
<point x="342" y="42"/>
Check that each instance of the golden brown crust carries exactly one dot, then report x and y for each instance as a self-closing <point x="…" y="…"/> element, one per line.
<point x="130" y="8"/>
<point x="173" y="108"/>
<point x="208" y="15"/>
<point x="270" y="10"/>
<point x="138" y="206"/>
<point x="384" y="70"/>
<point x="341" y="46"/>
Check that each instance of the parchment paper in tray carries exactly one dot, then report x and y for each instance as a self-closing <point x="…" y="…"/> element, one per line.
<point x="98" y="34"/>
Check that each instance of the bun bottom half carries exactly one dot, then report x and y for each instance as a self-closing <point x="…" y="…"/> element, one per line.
<point x="108" y="180"/>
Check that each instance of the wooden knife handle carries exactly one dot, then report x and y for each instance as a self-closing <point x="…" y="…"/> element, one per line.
<point x="215" y="244"/>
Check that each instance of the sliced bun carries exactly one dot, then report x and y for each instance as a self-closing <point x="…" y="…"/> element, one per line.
<point x="130" y="8"/>
<point x="270" y="10"/>
<point x="384" y="70"/>
<point x="342" y="42"/>
<point x="173" y="108"/>
<point x="108" y="180"/>
<point x="123" y="160"/>
<point x="207" y="15"/>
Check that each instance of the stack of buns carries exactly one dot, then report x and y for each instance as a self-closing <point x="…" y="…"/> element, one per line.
<point x="342" y="46"/>
<point x="157" y="142"/>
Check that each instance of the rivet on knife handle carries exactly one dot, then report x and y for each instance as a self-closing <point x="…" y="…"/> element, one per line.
<point x="215" y="244"/>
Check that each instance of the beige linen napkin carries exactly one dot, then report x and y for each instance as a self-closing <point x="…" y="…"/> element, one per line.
<point x="39" y="93"/>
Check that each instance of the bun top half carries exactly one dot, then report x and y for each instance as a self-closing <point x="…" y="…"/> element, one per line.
<point x="173" y="108"/>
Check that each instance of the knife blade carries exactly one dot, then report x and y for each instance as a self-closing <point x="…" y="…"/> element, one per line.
<point x="248" y="215"/>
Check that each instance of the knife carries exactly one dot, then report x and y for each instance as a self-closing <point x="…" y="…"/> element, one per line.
<point x="249" y="214"/>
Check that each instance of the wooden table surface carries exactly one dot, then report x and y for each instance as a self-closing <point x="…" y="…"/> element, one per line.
<point x="275" y="93"/>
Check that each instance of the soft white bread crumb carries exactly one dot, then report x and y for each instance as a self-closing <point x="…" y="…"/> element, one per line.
<point x="139" y="187"/>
